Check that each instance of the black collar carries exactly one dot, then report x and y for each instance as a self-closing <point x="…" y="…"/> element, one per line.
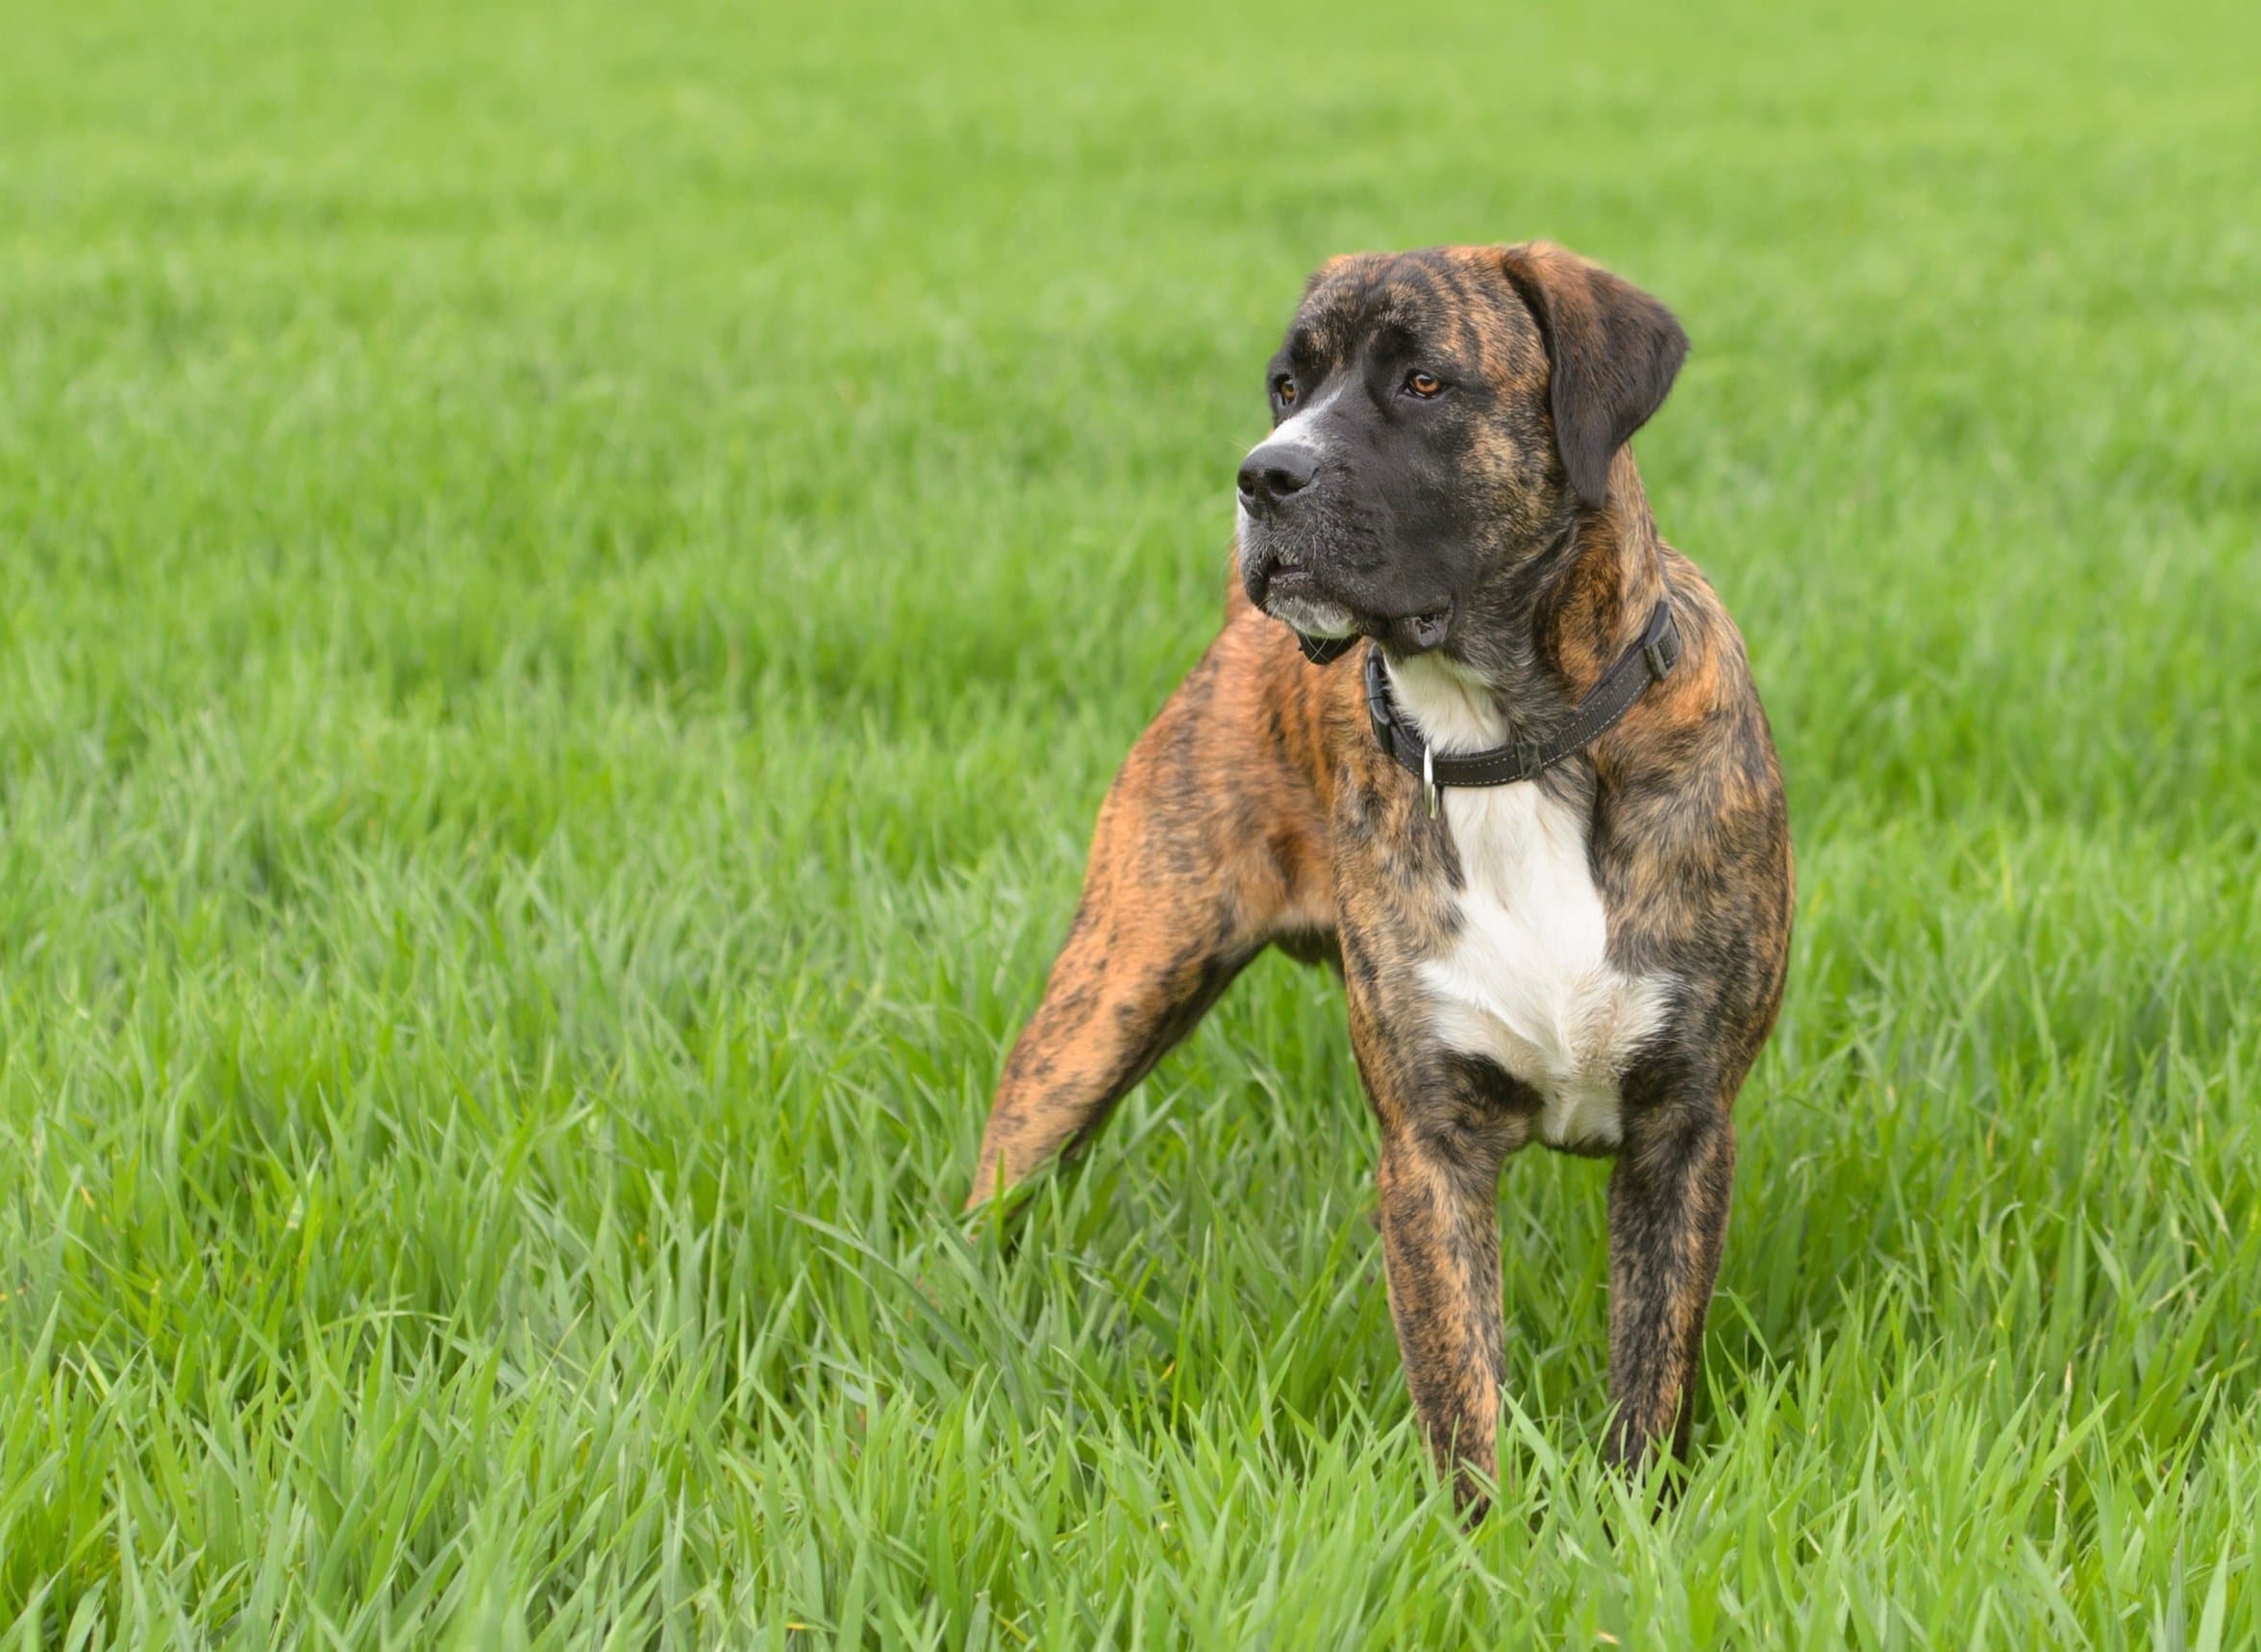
<point x="1648" y="661"/>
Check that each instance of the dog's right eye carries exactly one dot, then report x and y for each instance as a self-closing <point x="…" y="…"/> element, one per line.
<point x="1285" y="388"/>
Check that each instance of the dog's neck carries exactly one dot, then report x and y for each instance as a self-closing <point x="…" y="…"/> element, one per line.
<point x="1535" y="645"/>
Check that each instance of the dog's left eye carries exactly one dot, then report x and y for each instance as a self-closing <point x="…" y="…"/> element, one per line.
<point x="1422" y="384"/>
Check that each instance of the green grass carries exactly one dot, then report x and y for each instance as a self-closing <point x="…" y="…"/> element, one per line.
<point x="570" y="581"/>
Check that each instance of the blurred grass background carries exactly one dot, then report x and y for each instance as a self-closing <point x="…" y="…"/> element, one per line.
<point x="570" y="581"/>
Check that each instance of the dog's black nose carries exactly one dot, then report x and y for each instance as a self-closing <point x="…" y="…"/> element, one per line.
<point x="1270" y="474"/>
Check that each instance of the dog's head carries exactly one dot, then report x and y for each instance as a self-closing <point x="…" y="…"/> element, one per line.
<point x="1439" y="420"/>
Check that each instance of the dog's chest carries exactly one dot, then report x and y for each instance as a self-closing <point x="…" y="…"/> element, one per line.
<point x="1525" y="978"/>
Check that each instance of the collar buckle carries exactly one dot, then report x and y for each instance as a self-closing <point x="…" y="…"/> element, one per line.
<point x="1660" y="647"/>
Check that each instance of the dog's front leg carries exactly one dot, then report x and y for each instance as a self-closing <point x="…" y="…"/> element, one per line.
<point x="1440" y="1232"/>
<point x="1668" y="1220"/>
<point x="1447" y="1128"/>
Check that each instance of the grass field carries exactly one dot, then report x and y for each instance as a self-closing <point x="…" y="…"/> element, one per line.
<point x="571" y="579"/>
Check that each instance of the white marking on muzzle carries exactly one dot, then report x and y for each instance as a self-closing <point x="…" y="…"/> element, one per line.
<point x="1300" y="431"/>
<point x="1313" y="617"/>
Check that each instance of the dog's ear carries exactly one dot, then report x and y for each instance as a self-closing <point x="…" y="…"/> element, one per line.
<point x="1612" y="352"/>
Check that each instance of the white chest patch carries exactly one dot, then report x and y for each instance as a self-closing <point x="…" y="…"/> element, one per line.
<point x="1527" y="980"/>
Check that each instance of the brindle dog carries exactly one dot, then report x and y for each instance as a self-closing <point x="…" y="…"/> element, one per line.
<point x="1591" y="957"/>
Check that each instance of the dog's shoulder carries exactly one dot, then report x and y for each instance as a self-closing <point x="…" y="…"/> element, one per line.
<point x="1691" y="829"/>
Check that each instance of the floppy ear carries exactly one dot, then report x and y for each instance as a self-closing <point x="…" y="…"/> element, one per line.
<point x="1612" y="352"/>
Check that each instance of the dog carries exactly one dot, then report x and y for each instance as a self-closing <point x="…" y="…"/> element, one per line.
<point x="1477" y="735"/>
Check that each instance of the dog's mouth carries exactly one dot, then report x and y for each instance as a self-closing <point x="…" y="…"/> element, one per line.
<point x="1287" y="592"/>
<point x="1296" y="598"/>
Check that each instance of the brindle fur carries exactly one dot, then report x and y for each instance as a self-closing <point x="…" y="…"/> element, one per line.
<point x="1257" y="809"/>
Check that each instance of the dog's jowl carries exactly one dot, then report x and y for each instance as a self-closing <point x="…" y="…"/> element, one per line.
<point x="1476" y="733"/>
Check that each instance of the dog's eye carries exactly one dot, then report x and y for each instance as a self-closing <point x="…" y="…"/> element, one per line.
<point x="1422" y="384"/>
<point x="1285" y="388"/>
